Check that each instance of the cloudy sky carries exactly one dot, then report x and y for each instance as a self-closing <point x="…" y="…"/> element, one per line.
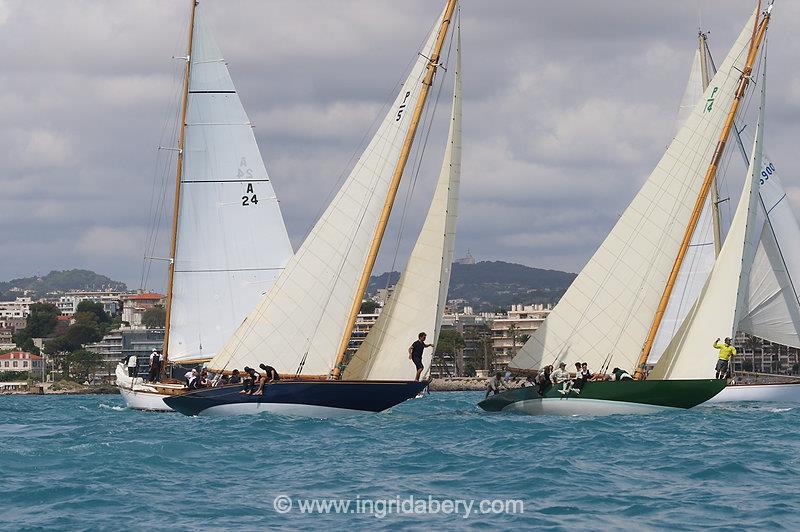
<point x="567" y="107"/>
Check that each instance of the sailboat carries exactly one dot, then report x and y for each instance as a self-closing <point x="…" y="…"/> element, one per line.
<point x="767" y="303"/>
<point x="229" y="242"/>
<point x="302" y="325"/>
<point x="611" y="314"/>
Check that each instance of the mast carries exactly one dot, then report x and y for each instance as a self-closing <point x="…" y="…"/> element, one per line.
<point x="744" y="80"/>
<point x="178" y="176"/>
<point x="393" y="186"/>
<point x="705" y="80"/>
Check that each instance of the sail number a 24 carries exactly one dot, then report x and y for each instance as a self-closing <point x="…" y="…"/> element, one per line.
<point x="245" y="172"/>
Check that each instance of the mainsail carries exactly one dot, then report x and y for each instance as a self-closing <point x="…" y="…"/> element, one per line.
<point x="418" y="300"/>
<point x="608" y="310"/>
<point x="720" y="303"/>
<point x="297" y="326"/>
<point x="702" y="250"/>
<point x="231" y="240"/>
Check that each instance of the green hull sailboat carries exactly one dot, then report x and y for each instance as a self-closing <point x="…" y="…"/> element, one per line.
<point x="606" y="397"/>
<point x="613" y="311"/>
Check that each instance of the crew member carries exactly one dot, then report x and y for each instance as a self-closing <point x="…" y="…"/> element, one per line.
<point x="415" y="353"/>
<point x="270" y="375"/>
<point x="726" y="352"/>
<point x="133" y="366"/>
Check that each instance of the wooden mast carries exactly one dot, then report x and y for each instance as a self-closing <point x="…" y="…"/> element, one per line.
<point x="705" y="79"/>
<point x="394" y="184"/>
<point x="744" y="80"/>
<point x="178" y="176"/>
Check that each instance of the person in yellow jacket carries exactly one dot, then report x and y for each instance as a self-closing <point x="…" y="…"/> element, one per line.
<point x="726" y="352"/>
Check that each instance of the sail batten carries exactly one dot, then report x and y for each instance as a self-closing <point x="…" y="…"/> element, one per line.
<point x="606" y="314"/>
<point x="231" y="241"/>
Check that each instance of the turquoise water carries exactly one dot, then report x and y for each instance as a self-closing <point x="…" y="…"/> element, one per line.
<point x="84" y="462"/>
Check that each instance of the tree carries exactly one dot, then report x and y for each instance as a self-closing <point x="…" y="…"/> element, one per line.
<point x="81" y="363"/>
<point x="77" y="334"/>
<point x="154" y="317"/>
<point x="42" y="321"/>
<point x="368" y="307"/>
<point x="92" y="307"/>
<point x="450" y="343"/>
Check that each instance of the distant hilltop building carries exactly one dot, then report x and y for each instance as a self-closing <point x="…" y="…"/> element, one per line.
<point x="468" y="259"/>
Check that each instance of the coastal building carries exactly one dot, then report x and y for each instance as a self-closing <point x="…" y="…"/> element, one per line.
<point x="17" y="309"/>
<point x="111" y="301"/>
<point x="13" y="323"/>
<point x="135" y="305"/>
<point x="364" y="323"/>
<point x="476" y="354"/>
<point x="468" y="259"/>
<point x="6" y="336"/>
<point x="762" y="356"/>
<point x="510" y="332"/>
<point x="21" y="361"/>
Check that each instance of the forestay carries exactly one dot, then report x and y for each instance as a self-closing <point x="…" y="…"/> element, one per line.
<point x="418" y="300"/>
<point x="231" y="239"/>
<point x="605" y="315"/>
<point x="298" y="325"/>
<point x="690" y="354"/>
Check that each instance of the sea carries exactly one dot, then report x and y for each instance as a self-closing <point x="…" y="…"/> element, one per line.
<point x="88" y="463"/>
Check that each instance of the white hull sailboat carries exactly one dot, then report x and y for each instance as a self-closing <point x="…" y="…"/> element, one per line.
<point x="302" y="326"/>
<point x="229" y="242"/>
<point x="612" y="313"/>
<point x="771" y="309"/>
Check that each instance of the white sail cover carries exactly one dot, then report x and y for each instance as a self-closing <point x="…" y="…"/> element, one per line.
<point x="606" y="313"/>
<point x="691" y="354"/>
<point x="298" y="325"/>
<point x="699" y="259"/>
<point x="771" y="309"/>
<point x="231" y="240"/>
<point x="418" y="300"/>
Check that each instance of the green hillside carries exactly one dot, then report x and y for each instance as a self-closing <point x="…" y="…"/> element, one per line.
<point x="58" y="281"/>
<point x="489" y="285"/>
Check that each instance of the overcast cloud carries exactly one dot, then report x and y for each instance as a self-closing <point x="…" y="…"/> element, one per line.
<point x="567" y="107"/>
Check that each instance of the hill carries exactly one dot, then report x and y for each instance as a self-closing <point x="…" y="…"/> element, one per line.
<point x="490" y="285"/>
<point x="58" y="281"/>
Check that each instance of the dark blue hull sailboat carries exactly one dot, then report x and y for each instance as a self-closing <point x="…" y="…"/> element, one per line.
<point x="331" y="398"/>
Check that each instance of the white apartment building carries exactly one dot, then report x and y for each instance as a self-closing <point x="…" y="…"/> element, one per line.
<point x="19" y="308"/>
<point x="510" y="332"/>
<point x="111" y="301"/>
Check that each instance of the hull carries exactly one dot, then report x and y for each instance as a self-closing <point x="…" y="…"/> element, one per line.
<point x="320" y="399"/>
<point x="604" y="398"/>
<point x="137" y="395"/>
<point x="143" y="400"/>
<point x="779" y="393"/>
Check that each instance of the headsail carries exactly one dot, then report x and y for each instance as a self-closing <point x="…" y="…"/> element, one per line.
<point x="608" y="310"/>
<point x="771" y="309"/>
<point x="298" y="325"/>
<point x="702" y="250"/>
<point x="231" y="239"/>
<point x="418" y="300"/>
<point x="690" y="355"/>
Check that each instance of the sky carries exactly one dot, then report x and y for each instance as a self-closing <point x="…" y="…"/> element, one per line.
<point x="567" y="108"/>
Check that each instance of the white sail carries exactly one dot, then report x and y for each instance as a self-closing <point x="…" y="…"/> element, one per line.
<point x="699" y="259"/>
<point x="691" y="355"/>
<point x="771" y="309"/>
<point x="231" y="239"/>
<point x="298" y="325"/>
<point x="606" y="313"/>
<point x="418" y="300"/>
